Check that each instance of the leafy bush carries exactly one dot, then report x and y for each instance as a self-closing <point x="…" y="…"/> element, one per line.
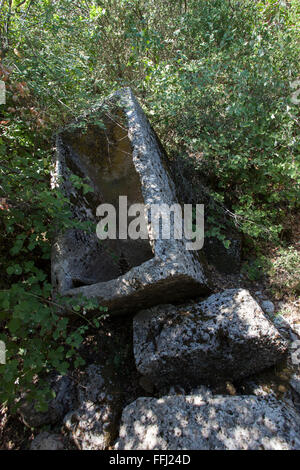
<point x="224" y="98"/>
<point x="38" y="335"/>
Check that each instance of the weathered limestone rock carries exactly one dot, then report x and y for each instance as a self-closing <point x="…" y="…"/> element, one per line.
<point x="219" y="423"/>
<point x="287" y="327"/>
<point x="93" y="426"/>
<point x="63" y="401"/>
<point x="225" y="337"/>
<point x="295" y="382"/>
<point x="123" y="157"/>
<point x="47" y="441"/>
<point x="268" y="307"/>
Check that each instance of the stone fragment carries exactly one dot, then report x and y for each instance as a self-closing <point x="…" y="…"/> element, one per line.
<point x="223" y="338"/>
<point x="218" y="423"/>
<point x="268" y="307"/>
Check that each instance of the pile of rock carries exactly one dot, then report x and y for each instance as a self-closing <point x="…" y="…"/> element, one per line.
<point x="224" y="338"/>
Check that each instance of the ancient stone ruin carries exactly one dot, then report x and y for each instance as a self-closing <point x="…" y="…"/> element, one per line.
<point x="182" y="336"/>
<point x="119" y="154"/>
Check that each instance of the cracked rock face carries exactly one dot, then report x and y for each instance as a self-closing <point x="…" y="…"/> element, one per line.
<point x="225" y="337"/>
<point x="194" y="422"/>
<point x="93" y="425"/>
<point x="120" y="157"/>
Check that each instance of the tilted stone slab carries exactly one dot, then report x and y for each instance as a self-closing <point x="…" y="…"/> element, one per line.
<point x="220" y="423"/>
<point x="121" y="156"/>
<point x="225" y="337"/>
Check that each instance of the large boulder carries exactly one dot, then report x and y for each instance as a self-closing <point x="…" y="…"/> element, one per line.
<point x="225" y="337"/>
<point x="117" y="153"/>
<point x="219" y="423"/>
<point x="94" y="424"/>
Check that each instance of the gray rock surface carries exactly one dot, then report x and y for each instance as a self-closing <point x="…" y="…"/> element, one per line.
<point x="290" y="329"/>
<point x="296" y="329"/>
<point x="295" y="382"/>
<point x="268" y="307"/>
<point x="47" y="441"/>
<point x="64" y="400"/>
<point x="198" y="423"/>
<point x="93" y="425"/>
<point x="125" y="158"/>
<point x="225" y="337"/>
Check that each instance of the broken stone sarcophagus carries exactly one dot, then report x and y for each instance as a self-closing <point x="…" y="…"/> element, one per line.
<point x="118" y="154"/>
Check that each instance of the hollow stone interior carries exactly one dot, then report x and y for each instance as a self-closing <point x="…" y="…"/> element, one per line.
<point x="102" y="154"/>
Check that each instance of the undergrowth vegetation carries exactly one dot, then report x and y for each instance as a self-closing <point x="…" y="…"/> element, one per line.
<point x="219" y="80"/>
